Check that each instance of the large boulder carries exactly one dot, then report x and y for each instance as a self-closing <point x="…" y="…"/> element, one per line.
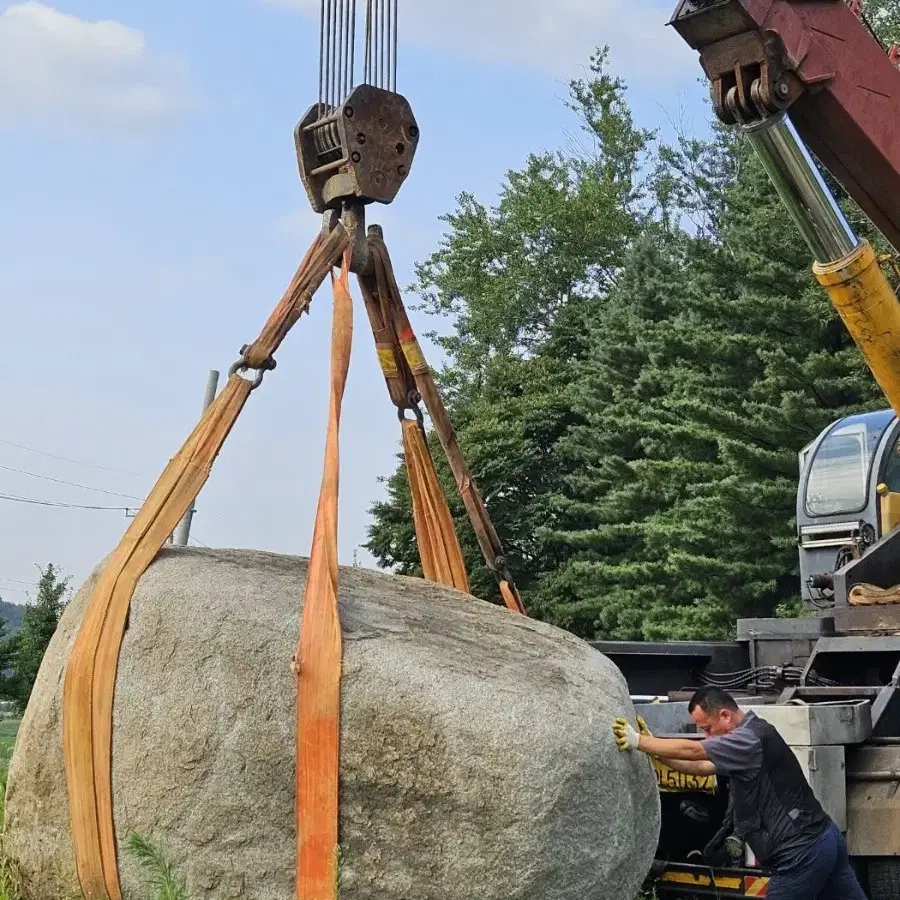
<point x="477" y="757"/>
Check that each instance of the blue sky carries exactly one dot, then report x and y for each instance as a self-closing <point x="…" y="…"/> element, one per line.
<point x="151" y="215"/>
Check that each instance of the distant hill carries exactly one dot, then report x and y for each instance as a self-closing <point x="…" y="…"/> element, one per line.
<point x="12" y="614"/>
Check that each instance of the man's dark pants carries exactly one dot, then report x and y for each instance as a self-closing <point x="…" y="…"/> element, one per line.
<point x="821" y="873"/>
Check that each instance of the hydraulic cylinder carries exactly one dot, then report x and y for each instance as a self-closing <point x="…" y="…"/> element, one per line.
<point x="845" y="265"/>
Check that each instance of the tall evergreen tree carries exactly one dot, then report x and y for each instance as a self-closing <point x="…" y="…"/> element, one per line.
<point x="794" y="369"/>
<point x="518" y="283"/>
<point x="738" y="360"/>
<point x="648" y="387"/>
<point x="39" y="624"/>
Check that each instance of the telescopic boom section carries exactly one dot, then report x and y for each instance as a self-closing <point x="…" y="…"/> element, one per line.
<point x="819" y="60"/>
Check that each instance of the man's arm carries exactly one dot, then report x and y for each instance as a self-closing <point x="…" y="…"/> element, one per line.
<point x="673" y="748"/>
<point x="686" y="756"/>
<point x="697" y="767"/>
<point x="738" y="753"/>
<point x="679" y="754"/>
<point x="704" y="767"/>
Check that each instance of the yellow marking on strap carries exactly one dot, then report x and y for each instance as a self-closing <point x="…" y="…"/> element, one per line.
<point x="387" y="361"/>
<point x="414" y="356"/>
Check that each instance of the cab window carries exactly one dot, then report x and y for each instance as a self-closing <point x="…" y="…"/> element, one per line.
<point x="838" y="480"/>
<point x="892" y="466"/>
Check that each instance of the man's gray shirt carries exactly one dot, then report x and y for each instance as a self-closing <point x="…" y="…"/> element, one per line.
<point x="738" y="754"/>
<point x="775" y="810"/>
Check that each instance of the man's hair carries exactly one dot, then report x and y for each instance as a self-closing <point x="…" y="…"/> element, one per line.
<point x="711" y="700"/>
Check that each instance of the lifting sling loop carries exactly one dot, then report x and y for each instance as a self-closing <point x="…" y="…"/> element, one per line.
<point x="90" y="677"/>
<point x="318" y="660"/>
<point x="439" y="549"/>
<point x="91" y="672"/>
<point x="488" y="540"/>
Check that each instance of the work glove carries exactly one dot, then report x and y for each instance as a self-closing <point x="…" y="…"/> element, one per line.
<point x="626" y="736"/>
<point x="642" y="727"/>
<point x="720" y="851"/>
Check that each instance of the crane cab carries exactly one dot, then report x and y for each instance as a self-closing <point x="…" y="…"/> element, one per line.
<point x="848" y="497"/>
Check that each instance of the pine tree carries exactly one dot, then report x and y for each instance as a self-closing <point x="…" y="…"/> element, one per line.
<point x="733" y="360"/>
<point x="519" y="283"/>
<point x="39" y="624"/>
<point x="630" y="460"/>
<point x="793" y="370"/>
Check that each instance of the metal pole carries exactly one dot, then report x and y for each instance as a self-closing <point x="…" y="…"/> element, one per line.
<point x="183" y="531"/>
<point x="802" y="188"/>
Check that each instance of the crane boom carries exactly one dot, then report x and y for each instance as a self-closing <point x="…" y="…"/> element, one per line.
<point x="817" y="59"/>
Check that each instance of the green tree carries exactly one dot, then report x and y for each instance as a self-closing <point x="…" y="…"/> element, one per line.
<point x="884" y="16"/>
<point x="519" y="283"/>
<point x="770" y="338"/>
<point x="7" y="660"/>
<point x="39" y="624"/>
<point x="729" y="358"/>
<point x="648" y="386"/>
<point x="628" y="459"/>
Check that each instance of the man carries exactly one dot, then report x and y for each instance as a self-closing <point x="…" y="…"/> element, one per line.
<point x="775" y="810"/>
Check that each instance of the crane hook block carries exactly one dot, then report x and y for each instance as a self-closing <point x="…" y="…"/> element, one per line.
<point x="362" y="150"/>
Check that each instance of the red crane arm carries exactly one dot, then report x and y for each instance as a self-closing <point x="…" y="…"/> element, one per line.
<point x="819" y="59"/>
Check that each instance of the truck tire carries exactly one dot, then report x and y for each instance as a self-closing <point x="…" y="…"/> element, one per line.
<point x="884" y="878"/>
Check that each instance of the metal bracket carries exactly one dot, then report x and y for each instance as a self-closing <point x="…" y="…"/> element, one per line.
<point x="820" y="61"/>
<point x="352" y="215"/>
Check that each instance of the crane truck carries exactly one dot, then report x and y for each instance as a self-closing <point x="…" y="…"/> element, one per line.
<point x="804" y="77"/>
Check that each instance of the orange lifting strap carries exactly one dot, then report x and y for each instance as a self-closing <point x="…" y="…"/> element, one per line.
<point x="419" y="384"/>
<point x="439" y="550"/>
<point x="91" y="672"/>
<point x="318" y="660"/>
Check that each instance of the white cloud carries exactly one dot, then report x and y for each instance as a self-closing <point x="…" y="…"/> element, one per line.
<point x="556" y="37"/>
<point x="60" y="70"/>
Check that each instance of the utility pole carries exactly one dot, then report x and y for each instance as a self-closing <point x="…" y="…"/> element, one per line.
<point x="183" y="531"/>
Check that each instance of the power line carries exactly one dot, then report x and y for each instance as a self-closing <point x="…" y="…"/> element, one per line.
<point x="13" y="498"/>
<point x="85" y="487"/>
<point x="4" y="588"/>
<point x="16" y="581"/>
<point x="75" y="462"/>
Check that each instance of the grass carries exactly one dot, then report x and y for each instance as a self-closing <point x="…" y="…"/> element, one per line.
<point x="162" y="876"/>
<point x="9" y="728"/>
<point x="10" y="883"/>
